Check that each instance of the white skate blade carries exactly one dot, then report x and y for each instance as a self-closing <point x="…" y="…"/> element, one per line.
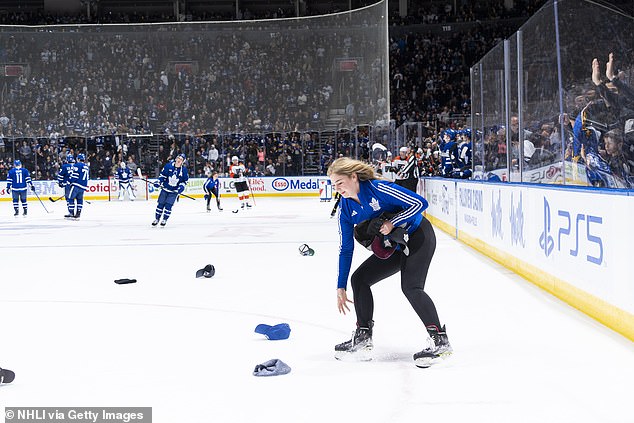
<point x="425" y="362"/>
<point x="361" y="355"/>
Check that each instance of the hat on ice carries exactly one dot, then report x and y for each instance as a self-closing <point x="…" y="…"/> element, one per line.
<point x="274" y="367"/>
<point x="207" y="271"/>
<point x="124" y="281"/>
<point x="274" y="333"/>
<point x="305" y="250"/>
<point x="7" y="376"/>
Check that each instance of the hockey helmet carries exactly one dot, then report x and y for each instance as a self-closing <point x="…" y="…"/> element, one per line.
<point x="81" y="157"/>
<point x="182" y="156"/>
<point x="70" y="158"/>
<point x="17" y="163"/>
<point x="123" y="165"/>
<point x="234" y="159"/>
<point x="403" y="150"/>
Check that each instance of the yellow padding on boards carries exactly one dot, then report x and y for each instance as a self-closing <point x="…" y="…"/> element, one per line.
<point x="611" y="316"/>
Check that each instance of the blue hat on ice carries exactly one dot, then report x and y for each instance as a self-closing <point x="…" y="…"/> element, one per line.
<point x="274" y="333"/>
<point x="272" y="367"/>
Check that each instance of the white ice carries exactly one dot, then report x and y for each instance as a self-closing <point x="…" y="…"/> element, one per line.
<point x="186" y="347"/>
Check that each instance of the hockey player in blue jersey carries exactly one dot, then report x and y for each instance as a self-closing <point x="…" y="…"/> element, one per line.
<point x="172" y="181"/>
<point x="462" y="168"/>
<point x="78" y="179"/>
<point x="17" y="181"/>
<point x="124" y="177"/>
<point x="389" y="219"/>
<point x="63" y="177"/>
<point x="448" y="151"/>
<point x="211" y="186"/>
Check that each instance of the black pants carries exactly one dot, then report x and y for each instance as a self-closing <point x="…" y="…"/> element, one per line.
<point x="214" y="192"/>
<point x="413" y="268"/>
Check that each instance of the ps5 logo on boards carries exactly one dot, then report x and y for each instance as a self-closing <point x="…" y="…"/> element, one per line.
<point x="445" y="200"/>
<point x="567" y="231"/>
<point x="496" y="216"/>
<point x="517" y="223"/>
<point x="546" y="242"/>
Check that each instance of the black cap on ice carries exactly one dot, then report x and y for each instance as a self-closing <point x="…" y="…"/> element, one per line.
<point x="207" y="271"/>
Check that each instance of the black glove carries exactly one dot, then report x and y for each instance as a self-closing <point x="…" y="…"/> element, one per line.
<point x="157" y="184"/>
<point x="374" y="226"/>
<point x="32" y="188"/>
<point x="8" y="190"/>
<point x="61" y="184"/>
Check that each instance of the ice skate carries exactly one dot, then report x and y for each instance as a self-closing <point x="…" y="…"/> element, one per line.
<point x="438" y="348"/>
<point x="163" y="223"/>
<point x="17" y="213"/>
<point x="248" y="206"/>
<point x="208" y="209"/>
<point x="24" y="213"/>
<point x="155" y="222"/>
<point x="219" y="208"/>
<point x="358" y="348"/>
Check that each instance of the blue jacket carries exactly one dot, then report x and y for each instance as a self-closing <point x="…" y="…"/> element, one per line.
<point x="376" y="197"/>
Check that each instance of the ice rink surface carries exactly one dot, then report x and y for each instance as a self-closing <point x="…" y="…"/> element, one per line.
<point x="186" y="347"/>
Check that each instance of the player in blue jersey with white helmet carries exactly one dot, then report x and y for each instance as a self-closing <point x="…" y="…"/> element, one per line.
<point x="17" y="181"/>
<point x="78" y="179"/>
<point x="172" y="181"/>
<point x="388" y="218"/>
<point x="124" y="176"/>
<point x="211" y="186"/>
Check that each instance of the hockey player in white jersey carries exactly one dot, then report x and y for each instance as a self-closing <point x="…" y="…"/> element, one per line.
<point x="238" y="172"/>
<point x="125" y="177"/>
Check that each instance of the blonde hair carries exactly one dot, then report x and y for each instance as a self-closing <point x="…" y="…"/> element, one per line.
<point x="347" y="166"/>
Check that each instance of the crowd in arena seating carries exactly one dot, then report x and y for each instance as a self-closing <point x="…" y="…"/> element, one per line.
<point x="69" y="97"/>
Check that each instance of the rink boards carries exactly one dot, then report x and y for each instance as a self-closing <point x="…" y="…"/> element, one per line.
<point x="573" y="243"/>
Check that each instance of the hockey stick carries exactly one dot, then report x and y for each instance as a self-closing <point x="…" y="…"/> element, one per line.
<point x="334" y="208"/>
<point x="250" y="191"/>
<point x="38" y="197"/>
<point x="184" y="195"/>
<point x="59" y="198"/>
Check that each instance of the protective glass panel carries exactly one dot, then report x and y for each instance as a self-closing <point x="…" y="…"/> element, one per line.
<point x="542" y="152"/>
<point x="493" y="115"/>
<point x="599" y="95"/>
